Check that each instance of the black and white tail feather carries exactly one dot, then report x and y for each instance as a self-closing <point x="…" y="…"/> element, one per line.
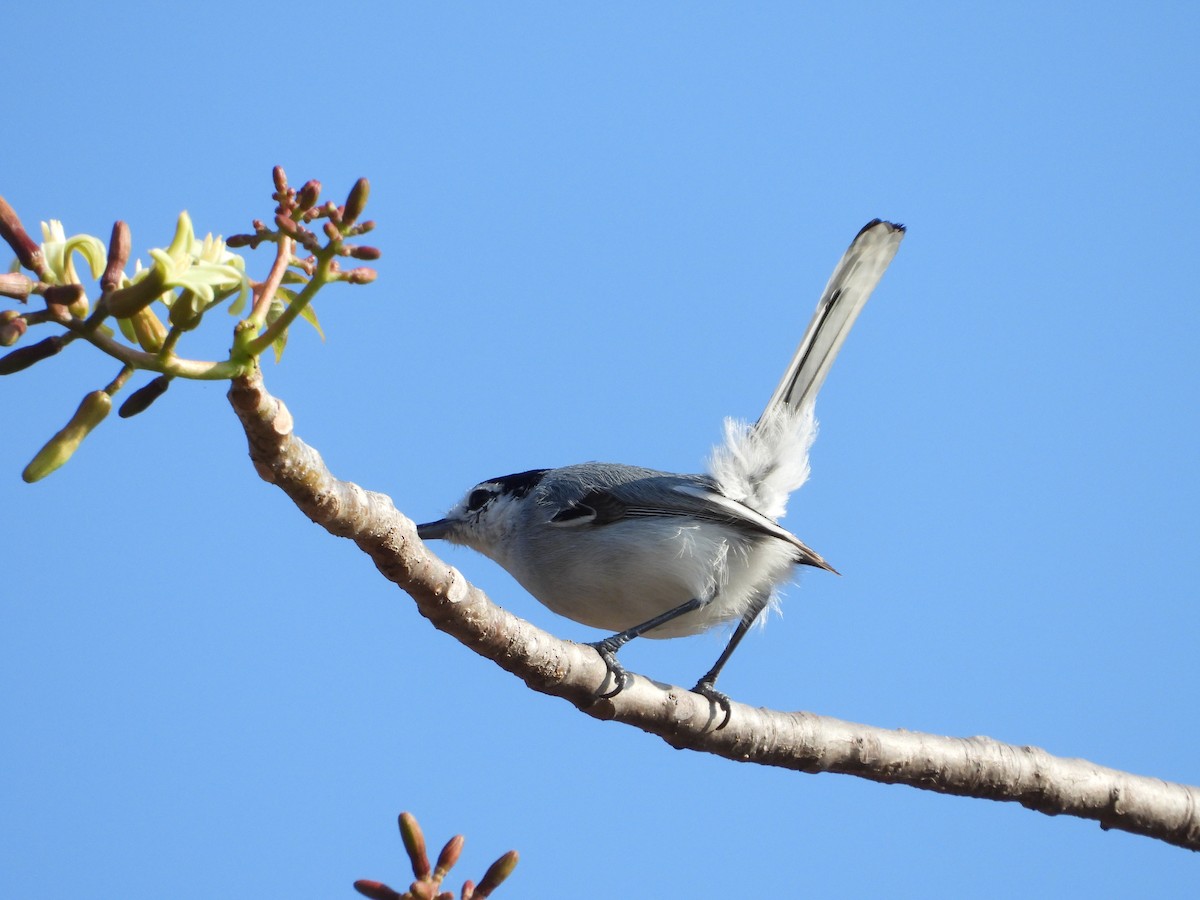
<point x="761" y="465"/>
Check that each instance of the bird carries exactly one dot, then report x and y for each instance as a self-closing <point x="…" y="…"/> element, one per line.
<point x="645" y="553"/>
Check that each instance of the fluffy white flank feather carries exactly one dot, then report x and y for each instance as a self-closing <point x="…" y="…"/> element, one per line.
<point x="761" y="464"/>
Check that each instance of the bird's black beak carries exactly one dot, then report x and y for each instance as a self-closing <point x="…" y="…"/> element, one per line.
<point x="433" y="531"/>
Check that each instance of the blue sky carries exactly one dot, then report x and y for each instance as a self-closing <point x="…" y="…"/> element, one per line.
<point x="604" y="228"/>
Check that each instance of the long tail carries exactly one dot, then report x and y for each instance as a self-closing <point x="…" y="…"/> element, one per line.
<point x="843" y="299"/>
<point x="761" y="465"/>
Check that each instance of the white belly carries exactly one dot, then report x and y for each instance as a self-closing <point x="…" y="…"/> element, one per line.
<point x="626" y="573"/>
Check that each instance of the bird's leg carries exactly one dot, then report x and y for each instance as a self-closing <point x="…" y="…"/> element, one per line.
<point x="608" y="647"/>
<point x="704" y="686"/>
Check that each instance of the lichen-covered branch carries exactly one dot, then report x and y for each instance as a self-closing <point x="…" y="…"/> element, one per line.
<point x="969" y="767"/>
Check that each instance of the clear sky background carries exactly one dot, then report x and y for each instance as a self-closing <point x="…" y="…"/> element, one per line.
<point x="605" y="227"/>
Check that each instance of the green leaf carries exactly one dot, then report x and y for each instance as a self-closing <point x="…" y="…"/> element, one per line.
<point x="274" y="311"/>
<point x="309" y="315"/>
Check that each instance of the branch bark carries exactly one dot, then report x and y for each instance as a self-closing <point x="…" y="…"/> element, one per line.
<point x="969" y="767"/>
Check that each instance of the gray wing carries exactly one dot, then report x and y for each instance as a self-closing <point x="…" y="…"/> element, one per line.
<point x="847" y="292"/>
<point x="695" y="497"/>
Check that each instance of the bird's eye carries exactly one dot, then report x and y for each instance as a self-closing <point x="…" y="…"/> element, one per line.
<point x="478" y="498"/>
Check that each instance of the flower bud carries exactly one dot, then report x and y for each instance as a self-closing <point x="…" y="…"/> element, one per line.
<point x="308" y="196"/>
<point x="356" y="202"/>
<point x="375" y="890"/>
<point x="148" y="329"/>
<point x="361" y="275"/>
<point x="14" y="233"/>
<point x="448" y="857"/>
<point x="119" y="246"/>
<point x="414" y="844"/>
<point x="12" y="327"/>
<point x="280" y="178"/>
<point x="62" y="446"/>
<point x="63" y="294"/>
<point x="16" y="285"/>
<point x="286" y="224"/>
<point x="140" y="400"/>
<point x="496" y="874"/>
<point x="364" y="252"/>
<point x="25" y="357"/>
<point x="186" y="310"/>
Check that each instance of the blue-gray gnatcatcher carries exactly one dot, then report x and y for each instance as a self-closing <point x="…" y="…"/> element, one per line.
<point x="641" y="552"/>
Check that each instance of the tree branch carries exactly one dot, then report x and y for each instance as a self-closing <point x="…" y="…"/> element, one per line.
<point x="969" y="767"/>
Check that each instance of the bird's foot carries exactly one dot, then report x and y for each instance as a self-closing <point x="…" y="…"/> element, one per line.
<point x="607" y="649"/>
<point x="705" y="689"/>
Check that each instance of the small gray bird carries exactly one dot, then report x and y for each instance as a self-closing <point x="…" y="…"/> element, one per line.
<point x="641" y="552"/>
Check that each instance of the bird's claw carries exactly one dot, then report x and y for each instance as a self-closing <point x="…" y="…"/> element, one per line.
<point x="620" y="676"/>
<point x="705" y="689"/>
